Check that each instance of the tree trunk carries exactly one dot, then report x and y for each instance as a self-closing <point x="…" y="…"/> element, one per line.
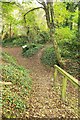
<point x="56" y="48"/>
<point x="50" y="23"/>
<point x="10" y="30"/>
<point x="2" y="32"/>
<point x="66" y="22"/>
<point x="49" y="12"/>
<point x="79" y="17"/>
<point x="71" y="23"/>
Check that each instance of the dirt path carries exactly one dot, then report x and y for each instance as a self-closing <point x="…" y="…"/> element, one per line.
<point x="44" y="101"/>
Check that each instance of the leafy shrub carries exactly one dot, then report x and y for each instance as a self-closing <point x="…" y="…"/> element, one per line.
<point x="15" y="74"/>
<point x="67" y="41"/>
<point x="14" y="104"/>
<point x="64" y="34"/>
<point x="31" y="49"/>
<point x="7" y="58"/>
<point x="15" y="41"/>
<point x="43" y="37"/>
<point x="48" y="57"/>
<point x="20" y="41"/>
<point x="71" y="55"/>
<point x="40" y="37"/>
<point x="69" y="49"/>
<point x="15" y="100"/>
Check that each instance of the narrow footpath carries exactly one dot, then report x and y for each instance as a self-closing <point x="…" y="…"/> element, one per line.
<point x="44" y="101"/>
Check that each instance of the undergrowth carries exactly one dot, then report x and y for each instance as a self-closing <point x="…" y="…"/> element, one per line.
<point x="15" y="98"/>
<point x="70" y="55"/>
<point x="15" y="41"/>
<point x="31" y="49"/>
<point x="48" y="57"/>
<point x="38" y="37"/>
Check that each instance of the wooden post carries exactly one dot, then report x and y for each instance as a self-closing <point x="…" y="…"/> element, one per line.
<point x="64" y="88"/>
<point x="55" y="76"/>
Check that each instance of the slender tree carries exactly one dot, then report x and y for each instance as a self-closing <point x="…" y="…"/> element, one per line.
<point x="47" y="6"/>
<point x="79" y="17"/>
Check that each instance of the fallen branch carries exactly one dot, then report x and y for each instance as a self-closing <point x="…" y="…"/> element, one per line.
<point x="5" y="83"/>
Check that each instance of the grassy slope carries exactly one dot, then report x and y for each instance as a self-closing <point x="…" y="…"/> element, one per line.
<point x="15" y="98"/>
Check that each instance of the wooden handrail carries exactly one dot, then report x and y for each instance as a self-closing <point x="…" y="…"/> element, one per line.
<point x="67" y="76"/>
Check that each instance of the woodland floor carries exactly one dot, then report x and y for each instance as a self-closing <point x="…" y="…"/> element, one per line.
<point x="44" y="101"/>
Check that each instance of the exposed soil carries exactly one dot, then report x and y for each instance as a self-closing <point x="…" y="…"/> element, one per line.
<point x="44" y="101"/>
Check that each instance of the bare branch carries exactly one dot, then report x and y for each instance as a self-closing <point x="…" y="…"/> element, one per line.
<point x="30" y="11"/>
<point x="33" y="10"/>
<point x="42" y="3"/>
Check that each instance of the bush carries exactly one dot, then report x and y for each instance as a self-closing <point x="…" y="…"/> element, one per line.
<point x="48" y="57"/>
<point x="42" y="37"/>
<point x="69" y="49"/>
<point x="6" y="57"/>
<point x="67" y="41"/>
<point x="20" y="41"/>
<point x="15" y="41"/>
<point x="30" y="49"/>
<point x="65" y="34"/>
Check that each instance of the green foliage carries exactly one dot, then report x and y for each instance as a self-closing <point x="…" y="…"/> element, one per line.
<point x="7" y="10"/>
<point x="15" y="41"/>
<point x="30" y="18"/>
<point x="60" y="13"/>
<point x="48" y="57"/>
<point x="7" y="58"/>
<point x="65" y="13"/>
<point x="15" y="97"/>
<point x="71" y="55"/>
<point x="69" y="49"/>
<point x="35" y="36"/>
<point x="31" y="49"/>
<point x="20" y="41"/>
<point x="42" y="37"/>
<point x="15" y="74"/>
<point x="13" y="103"/>
<point x="64" y="34"/>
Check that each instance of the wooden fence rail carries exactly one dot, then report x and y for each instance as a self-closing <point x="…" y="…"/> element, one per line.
<point x="67" y="76"/>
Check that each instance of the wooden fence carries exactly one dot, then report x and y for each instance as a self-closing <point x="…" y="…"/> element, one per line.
<point x="66" y="77"/>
